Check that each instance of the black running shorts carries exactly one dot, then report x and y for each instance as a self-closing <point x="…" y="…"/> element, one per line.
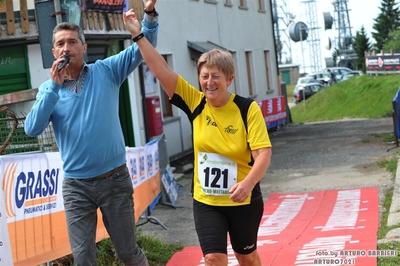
<point x="213" y="223"/>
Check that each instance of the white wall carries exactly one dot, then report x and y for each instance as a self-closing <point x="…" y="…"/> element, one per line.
<point x="37" y="72"/>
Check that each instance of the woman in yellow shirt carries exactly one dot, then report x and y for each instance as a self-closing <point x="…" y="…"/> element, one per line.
<point x="232" y="152"/>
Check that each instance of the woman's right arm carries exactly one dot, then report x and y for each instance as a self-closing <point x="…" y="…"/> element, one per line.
<point x="161" y="70"/>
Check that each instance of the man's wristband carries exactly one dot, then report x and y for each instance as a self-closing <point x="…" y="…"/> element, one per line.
<point x="138" y="37"/>
<point x="151" y="12"/>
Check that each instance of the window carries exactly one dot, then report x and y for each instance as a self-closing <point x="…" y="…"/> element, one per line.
<point x="153" y="87"/>
<point x="249" y="71"/>
<point x="266" y="61"/>
<point x="96" y="52"/>
<point x="233" y="87"/>
<point x="211" y="1"/>
<point x="261" y="5"/>
<point x="243" y="4"/>
<point x="228" y="3"/>
<point x="165" y="104"/>
<point x="150" y="81"/>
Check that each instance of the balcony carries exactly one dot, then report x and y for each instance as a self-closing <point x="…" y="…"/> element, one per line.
<point x="21" y="21"/>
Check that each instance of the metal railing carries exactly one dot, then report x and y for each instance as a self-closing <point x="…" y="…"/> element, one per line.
<point x="14" y="140"/>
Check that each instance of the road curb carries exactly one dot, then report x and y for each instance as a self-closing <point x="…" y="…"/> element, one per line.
<point x="394" y="212"/>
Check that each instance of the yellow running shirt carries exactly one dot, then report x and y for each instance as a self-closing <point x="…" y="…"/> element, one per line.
<point x="222" y="147"/>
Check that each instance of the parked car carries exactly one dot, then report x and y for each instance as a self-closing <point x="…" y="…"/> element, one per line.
<point x="338" y="71"/>
<point x="321" y="77"/>
<point x="305" y="91"/>
<point x="305" y="80"/>
<point x="350" y="74"/>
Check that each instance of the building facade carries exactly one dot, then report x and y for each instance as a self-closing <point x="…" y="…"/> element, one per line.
<point x="187" y="29"/>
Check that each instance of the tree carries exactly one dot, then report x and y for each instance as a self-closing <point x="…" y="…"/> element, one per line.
<point x="361" y="45"/>
<point x="387" y="20"/>
<point x="393" y="41"/>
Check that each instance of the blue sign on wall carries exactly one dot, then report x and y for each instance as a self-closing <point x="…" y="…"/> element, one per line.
<point x="396" y="114"/>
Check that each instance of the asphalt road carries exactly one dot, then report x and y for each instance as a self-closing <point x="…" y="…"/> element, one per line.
<point x="306" y="157"/>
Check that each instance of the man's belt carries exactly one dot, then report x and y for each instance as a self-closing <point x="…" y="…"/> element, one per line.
<point x="113" y="171"/>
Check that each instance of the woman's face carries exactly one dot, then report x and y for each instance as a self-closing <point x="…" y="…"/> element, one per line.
<point x="214" y="84"/>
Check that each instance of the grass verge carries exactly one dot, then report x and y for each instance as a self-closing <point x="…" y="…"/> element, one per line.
<point x="157" y="253"/>
<point x="359" y="97"/>
<point x="391" y="166"/>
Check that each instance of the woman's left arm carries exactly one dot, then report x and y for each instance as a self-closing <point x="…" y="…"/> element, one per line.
<point x="242" y="190"/>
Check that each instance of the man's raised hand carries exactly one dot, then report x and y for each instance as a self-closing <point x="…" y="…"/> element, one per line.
<point x="131" y="22"/>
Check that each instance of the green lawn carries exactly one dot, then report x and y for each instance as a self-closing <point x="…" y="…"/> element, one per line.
<point x="359" y="97"/>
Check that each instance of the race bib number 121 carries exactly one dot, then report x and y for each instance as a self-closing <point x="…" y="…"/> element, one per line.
<point x="217" y="174"/>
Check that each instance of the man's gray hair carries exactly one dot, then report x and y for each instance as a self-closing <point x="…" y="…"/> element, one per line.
<point x="70" y="26"/>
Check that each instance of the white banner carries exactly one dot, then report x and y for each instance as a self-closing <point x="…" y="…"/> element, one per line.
<point x="32" y="185"/>
<point x="32" y="219"/>
<point x="5" y="245"/>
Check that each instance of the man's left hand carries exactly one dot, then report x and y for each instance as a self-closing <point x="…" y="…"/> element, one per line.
<point x="131" y="22"/>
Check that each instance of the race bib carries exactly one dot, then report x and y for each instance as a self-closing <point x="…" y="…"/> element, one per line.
<point x="217" y="174"/>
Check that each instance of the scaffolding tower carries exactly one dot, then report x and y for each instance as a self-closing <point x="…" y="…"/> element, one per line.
<point x="344" y="41"/>
<point x="282" y="21"/>
<point x="313" y="40"/>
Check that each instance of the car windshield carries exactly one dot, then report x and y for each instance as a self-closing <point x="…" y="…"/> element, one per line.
<point x="350" y="74"/>
<point x="327" y="75"/>
<point x="306" y="80"/>
<point x="315" y="88"/>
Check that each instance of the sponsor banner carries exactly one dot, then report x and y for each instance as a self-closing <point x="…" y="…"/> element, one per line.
<point x="335" y="227"/>
<point x="383" y="63"/>
<point x="109" y="6"/>
<point x="396" y="113"/>
<point x="5" y="245"/>
<point x="32" y="218"/>
<point x="274" y="111"/>
<point x="134" y="165"/>
<point x="149" y="186"/>
<point x="32" y="185"/>
<point x="152" y="158"/>
<point x="170" y="186"/>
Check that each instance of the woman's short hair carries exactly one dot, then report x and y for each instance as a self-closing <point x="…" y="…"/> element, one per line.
<point x="223" y="60"/>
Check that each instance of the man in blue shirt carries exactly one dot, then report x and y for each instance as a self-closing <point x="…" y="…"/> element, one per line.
<point x="81" y="101"/>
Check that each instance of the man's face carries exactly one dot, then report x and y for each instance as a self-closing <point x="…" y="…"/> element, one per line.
<point x="67" y="42"/>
